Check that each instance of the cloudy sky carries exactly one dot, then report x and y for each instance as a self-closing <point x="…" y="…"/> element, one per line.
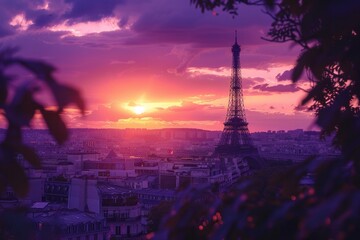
<point x="157" y="63"/>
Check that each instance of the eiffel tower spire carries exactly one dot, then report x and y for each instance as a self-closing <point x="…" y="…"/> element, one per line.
<point x="235" y="138"/>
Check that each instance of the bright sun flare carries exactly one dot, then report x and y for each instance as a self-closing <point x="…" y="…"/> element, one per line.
<point x="139" y="110"/>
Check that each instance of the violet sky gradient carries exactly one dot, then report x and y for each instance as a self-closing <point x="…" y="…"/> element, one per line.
<point x="162" y="55"/>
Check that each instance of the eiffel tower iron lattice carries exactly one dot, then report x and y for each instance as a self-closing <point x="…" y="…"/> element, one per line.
<point x="235" y="138"/>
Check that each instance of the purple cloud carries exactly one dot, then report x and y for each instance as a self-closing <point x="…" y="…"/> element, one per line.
<point x="285" y="76"/>
<point x="276" y="88"/>
<point x="251" y="81"/>
<point x="301" y="108"/>
<point x="85" y="10"/>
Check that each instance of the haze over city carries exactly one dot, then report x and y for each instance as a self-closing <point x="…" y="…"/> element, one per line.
<point x="157" y="64"/>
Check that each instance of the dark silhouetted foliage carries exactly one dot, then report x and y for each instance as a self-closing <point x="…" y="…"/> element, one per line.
<point x="19" y="105"/>
<point x="156" y="214"/>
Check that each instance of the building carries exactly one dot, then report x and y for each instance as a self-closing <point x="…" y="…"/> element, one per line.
<point x="56" y="190"/>
<point x="66" y="224"/>
<point x="122" y="211"/>
<point x="118" y="205"/>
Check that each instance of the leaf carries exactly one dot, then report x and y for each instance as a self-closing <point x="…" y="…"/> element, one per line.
<point x="22" y="108"/>
<point x="16" y="224"/>
<point x="326" y="117"/>
<point x="280" y="213"/>
<point x="56" y="125"/>
<point x="11" y="170"/>
<point x="329" y="115"/>
<point x="270" y="4"/>
<point x="298" y="69"/>
<point x="29" y="154"/>
<point x="319" y="213"/>
<point x="40" y="69"/>
<point x="315" y="91"/>
<point x="310" y="25"/>
<point x="3" y="89"/>
<point x="307" y="59"/>
<point x="230" y="218"/>
<point x="13" y="135"/>
<point x="66" y="95"/>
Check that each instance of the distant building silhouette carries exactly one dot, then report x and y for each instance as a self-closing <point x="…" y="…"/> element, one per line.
<point x="235" y="139"/>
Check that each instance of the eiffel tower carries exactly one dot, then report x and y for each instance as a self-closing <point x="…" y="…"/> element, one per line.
<point x="235" y="139"/>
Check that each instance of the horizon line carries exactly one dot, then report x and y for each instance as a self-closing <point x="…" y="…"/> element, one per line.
<point x="174" y="128"/>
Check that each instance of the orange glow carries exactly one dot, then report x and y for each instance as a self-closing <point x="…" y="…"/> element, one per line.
<point x="141" y="106"/>
<point x="138" y="110"/>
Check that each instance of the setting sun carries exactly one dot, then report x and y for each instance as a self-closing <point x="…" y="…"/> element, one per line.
<point x="139" y="110"/>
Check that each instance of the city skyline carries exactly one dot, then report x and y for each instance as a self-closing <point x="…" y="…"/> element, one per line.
<point x="158" y="64"/>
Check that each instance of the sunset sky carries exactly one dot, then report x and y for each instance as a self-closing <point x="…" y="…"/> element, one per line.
<point x="157" y="63"/>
